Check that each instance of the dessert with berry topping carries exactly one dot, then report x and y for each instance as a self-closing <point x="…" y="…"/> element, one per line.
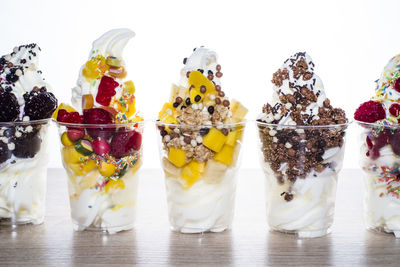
<point x="101" y="137"/>
<point x="200" y="132"/>
<point x="380" y="151"/>
<point x="26" y="104"/>
<point x="302" y="145"/>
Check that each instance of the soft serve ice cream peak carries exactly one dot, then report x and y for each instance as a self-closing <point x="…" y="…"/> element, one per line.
<point x="102" y="79"/>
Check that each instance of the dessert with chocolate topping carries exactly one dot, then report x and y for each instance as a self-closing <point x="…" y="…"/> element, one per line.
<point x="380" y="151"/>
<point x="201" y="132"/>
<point x="302" y="145"/>
<point x="26" y="104"/>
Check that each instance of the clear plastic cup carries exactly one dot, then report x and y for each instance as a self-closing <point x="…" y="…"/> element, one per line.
<point x="200" y="164"/>
<point x="102" y="163"/>
<point x="380" y="162"/>
<point x="301" y="166"/>
<point x="23" y="171"/>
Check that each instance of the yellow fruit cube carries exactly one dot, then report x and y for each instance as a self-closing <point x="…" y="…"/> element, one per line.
<point x="231" y="139"/>
<point x="114" y="185"/>
<point x="65" y="140"/>
<point x="129" y="87"/>
<point x="177" y="156"/>
<point x="197" y="79"/>
<point x="225" y="156"/>
<point x="81" y="169"/>
<point x="62" y="106"/>
<point x="191" y="173"/>
<point x="238" y="111"/>
<point x="167" y="114"/>
<point x="214" y="140"/>
<point x="70" y="155"/>
<point x="194" y="93"/>
<point x="106" y="169"/>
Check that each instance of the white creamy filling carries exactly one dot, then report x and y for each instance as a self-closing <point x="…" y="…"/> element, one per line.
<point x="203" y="207"/>
<point x="92" y="208"/>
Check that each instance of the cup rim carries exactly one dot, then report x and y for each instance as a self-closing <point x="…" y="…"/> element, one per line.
<point x="138" y="124"/>
<point x="377" y="125"/>
<point x="342" y="125"/>
<point x="24" y="123"/>
<point x="223" y="125"/>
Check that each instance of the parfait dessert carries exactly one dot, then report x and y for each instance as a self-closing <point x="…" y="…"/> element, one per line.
<point x="200" y="133"/>
<point x="101" y="137"/>
<point x="380" y="151"/>
<point x="26" y="106"/>
<point x="302" y="144"/>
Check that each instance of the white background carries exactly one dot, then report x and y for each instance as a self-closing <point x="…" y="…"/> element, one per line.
<point x="349" y="41"/>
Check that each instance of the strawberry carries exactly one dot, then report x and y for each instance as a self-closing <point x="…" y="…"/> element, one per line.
<point x="125" y="142"/>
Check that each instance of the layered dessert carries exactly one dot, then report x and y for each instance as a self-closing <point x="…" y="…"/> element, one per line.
<point x="101" y="137"/>
<point x="26" y="103"/>
<point x="201" y="132"/>
<point x="380" y="151"/>
<point x="302" y="144"/>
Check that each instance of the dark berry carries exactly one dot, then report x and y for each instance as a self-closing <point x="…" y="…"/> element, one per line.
<point x="106" y="90"/>
<point x="397" y="85"/>
<point x="370" y="111"/>
<point x="395" y="110"/>
<point x="9" y="108"/>
<point x="98" y="116"/>
<point x="187" y="101"/>
<point x="28" y="144"/>
<point x="204" y="131"/>
<point x="184" y="61"/>
<point x="197" y="98"/>
<point x="175" y="105"/>
<point x="395" y="142"/>
<point x="12" y="77"/>
<point x="210" y="110"/>
<point x="40" y="105"/>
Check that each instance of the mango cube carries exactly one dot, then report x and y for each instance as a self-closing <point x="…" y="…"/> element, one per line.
<point x="231" y="139"/>
<point x="177" y="156"/>
<point x="214" y="140"/>
<point x="225" y="156"/>
<point x="194" y="92"/>
<point x="191" y="173"/>
<point x="70" y="155"/>
<point x="238" y="111"/>
<point x="197" y="79"/>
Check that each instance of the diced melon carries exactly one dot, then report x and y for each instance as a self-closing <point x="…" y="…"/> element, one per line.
<point x="231" y="139"/>
<point x="225" y="156"/>
<point x="238" y="111"/>
<point x="177" y="156"/>
<point x="214" y="140"/>
<point x="214" y="172"/>
<point x="191" y="173"/>
<point x="170" y="169"/>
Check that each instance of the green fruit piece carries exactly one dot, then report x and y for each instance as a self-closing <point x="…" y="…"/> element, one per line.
<point x="84" y="147"/>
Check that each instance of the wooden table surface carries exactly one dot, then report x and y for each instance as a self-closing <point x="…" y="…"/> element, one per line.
<point x="151" y="243"/>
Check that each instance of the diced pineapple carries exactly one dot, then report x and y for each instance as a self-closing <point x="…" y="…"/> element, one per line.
<point x="197" y="79"/>
<point x="191" y="173"/>
<point x="214" y="172"/>
<point x="129" y="87"/>
<point x="177" y="91"/>
<point x="214" y="140"/>
<point x="81" y="169"/>
<point x="238" y="111"/>
<point x="170" y="169"/>
<point x="225" y="156"/>
<point x="231" y="139"/>
<point x="177" y="156"/>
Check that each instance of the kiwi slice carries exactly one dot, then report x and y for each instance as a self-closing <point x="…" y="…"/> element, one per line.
<point x="84" y="147"/>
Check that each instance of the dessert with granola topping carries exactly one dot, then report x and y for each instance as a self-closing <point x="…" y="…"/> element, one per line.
<point x="302" y="145"/>
<point x="26" y="104"/>
<point x="380" y="151"/>
<point x="201" y="132"/>
<point x="102" y="146"/>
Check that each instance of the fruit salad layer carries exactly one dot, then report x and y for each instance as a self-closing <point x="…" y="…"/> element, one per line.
<point x="201" y="131"/>
<point x="25" y="98"/>
<point x="301" y="160"/>
<point x="103" y="155"/>
<point x="380" y="151"/>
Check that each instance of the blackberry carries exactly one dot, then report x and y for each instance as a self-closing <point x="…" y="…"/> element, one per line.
<point x="39" y="104"/>
<point x="5" y="153"/>
<point x="28" y="144"/>
<point x="9" y="108"/>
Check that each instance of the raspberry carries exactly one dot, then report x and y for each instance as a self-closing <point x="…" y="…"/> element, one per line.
<point x="397" y="85"/>
<point x="9" y="108"/>
<point x="395" y="110"/>
<point x="370" y="111"/>
<point x="106" y="90"/>
<point x="125" y="142"/>
<point x="69" y="117"/>
<point x="98" y="116"/>
<point x="39" y="104"/>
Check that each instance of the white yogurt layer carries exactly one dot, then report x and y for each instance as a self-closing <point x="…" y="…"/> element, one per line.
<point x="204" y="206"/>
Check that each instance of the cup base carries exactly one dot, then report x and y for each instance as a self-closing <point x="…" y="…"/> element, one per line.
<point x="383" y="231"/>
<point x="304" y="234"/>
<point x="106" y="230"/>
<point x="188" y="230"/>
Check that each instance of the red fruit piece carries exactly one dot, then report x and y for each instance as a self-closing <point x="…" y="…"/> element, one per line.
<point x="101" y="146"/>
<point x="370" y="111"/>
<point x="98" y="116"/>
<point x="69" y="117"/>
<point x="75" y="134"/>
<point x="376" y="143"/>
<point x="106" y="90"/>
<point x="395" y="110"/>
<point x="397" y="85"/>
<point x="395" y="142"/>
<point x="124" y="142"/>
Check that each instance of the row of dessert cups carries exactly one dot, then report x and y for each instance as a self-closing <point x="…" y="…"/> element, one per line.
<point x="201" y="194"/>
